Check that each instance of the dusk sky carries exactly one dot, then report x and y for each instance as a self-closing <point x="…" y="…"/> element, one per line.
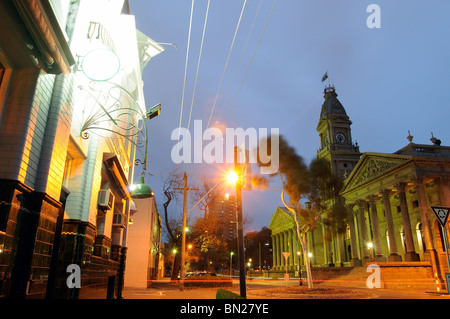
<point x="390" y="79"/>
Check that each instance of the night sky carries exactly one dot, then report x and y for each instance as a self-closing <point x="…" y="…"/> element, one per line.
<point x="390" y="79"/>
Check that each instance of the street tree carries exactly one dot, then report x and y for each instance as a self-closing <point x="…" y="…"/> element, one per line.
<point x="173" y="226"/>
<point x="307" y="189"/>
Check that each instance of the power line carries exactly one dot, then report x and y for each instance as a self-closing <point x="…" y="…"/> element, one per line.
<point x="226" y="64"/>
<point x="244" y="48"/>
<point x="251" y="61"/>
<point x="185" y="69"/>
<point x="198" y="63"/>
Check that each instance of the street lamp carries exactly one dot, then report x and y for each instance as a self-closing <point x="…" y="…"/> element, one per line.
<point x="370" y="246"/>
<point x="141" y="190"/>
<point x="235" y="177"/>
<point x="232" y="178"/>
<point x="231" y="262"/>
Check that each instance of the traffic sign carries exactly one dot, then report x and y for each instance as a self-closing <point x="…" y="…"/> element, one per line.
<point x="286" y="254"/>
<point x="441" y="214"/>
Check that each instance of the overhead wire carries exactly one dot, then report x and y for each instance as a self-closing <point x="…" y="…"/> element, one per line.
<point x="198" y="63"/>
<point x="243" y="50"/>
<point x="226" y="64"/>
<point x="251" y="61"/>
<point x="185" y="70"/>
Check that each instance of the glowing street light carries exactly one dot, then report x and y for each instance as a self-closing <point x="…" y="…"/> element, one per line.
<point x="231" y="261"/>
<point x="232" y="178"/>
<point x="370" y="246"/>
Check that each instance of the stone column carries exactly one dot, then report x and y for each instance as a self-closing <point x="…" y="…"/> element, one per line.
<point x="281" y="251"/>
<point x="376" y="231"/>
<point x="430" y="253"/>
<point x="354" y="261"/>
<point x="341" y="243"/>
<point x="444" y="190"/>
<point x="274" y="252"/>
<point x="410" y="252"/>
<point x="393" y="252"/>
<point x="365" y="258"/>
<point x="310" y="248"/>
<point x="324" y="244"/>
<point x="293" y="252"/>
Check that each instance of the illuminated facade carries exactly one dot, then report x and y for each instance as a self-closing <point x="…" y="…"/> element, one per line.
<point x="145" y="261"/>
<point x="68" y="140"/>
<point x="388" y="198"/>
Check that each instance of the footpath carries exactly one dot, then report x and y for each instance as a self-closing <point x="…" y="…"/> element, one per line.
<point x="164" y="289"/>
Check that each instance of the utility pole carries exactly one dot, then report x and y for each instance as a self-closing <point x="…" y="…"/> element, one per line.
<point x="183" y="237"/>
<point x="240" y="227"/>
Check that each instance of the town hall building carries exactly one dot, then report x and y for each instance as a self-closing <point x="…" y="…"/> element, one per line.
<point x="388" y="198"/>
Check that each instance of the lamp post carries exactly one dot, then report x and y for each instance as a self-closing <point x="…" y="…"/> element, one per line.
<point x="174" y="251"/>
<point x="231" y="262"/>
<point x="370" y="246"/>
<point x="240" y="229"/>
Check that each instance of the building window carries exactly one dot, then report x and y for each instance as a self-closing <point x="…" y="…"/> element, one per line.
<point x="415" y="203"/>
<point x="399" y="209"/>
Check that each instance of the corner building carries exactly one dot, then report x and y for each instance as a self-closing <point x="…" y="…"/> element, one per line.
<point x="64" y="180"/>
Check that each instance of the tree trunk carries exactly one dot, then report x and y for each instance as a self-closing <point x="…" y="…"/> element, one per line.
<point x="306" y="259"/>
<point x="176" y="267"/>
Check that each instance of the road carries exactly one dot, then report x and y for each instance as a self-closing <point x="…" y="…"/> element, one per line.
<point x="265" y="289"/>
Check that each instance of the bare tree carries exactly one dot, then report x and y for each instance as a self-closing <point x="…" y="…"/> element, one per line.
<point x="173" y="225"/>
<point x="208" y="192"/>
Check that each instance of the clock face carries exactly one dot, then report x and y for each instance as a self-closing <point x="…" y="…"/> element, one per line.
<point x="340" y="138"/>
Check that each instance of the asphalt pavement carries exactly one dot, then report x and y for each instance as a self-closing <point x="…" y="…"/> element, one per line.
<point x="273" y="289"/>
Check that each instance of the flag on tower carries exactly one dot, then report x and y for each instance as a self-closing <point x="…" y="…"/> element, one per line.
<point x="325" y="76"/>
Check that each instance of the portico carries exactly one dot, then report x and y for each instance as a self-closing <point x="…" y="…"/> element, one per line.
<point x="388" y="197"/>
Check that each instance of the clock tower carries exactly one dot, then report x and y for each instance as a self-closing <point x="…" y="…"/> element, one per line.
<point x="335" y="135"/>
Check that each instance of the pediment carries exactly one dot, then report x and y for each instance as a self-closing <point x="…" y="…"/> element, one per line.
<point x="281" y="220"/>
<point x="372" y="166"/>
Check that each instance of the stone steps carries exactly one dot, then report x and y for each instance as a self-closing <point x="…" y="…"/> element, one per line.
<point x="357" y="278"/>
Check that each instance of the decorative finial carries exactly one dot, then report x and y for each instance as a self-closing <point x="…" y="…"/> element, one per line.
<point x="410" y="137"/>
<point x="434" y="140"/>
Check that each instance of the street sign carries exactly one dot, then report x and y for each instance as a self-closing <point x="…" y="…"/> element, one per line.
<point x="286" y="254"/>
<point x="441" y="214"/>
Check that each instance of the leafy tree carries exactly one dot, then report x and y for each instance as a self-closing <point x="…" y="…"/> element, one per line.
<point x="314" y="184"/>
<point x="259" y="244"/>
<point x="209" y="246"/>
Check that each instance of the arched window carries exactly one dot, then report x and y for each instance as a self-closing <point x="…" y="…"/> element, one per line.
<point x="420" y="237"/>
